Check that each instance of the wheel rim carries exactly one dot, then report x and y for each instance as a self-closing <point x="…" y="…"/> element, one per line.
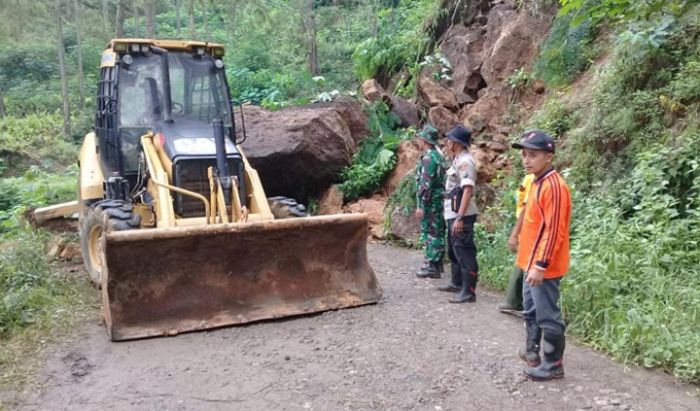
<point x="94" y="250"/>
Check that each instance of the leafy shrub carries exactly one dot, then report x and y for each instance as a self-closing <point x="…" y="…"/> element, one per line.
<point x="400" y="39"/>
<point x="567" y="51"/>
<point x="375" y="159"/>
<point x="35" y="140"/>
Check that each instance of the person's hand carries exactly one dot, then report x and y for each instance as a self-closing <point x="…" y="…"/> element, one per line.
<point x="458" y="227"/>
<point x="420" y="212"/>
<point x="534" y="277"/>
<point x="513" y="244"/>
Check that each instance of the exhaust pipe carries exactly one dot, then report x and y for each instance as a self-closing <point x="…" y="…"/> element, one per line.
<point x="222" y="170"/>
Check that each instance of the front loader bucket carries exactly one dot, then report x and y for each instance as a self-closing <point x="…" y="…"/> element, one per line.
<point x="165" y="281"/>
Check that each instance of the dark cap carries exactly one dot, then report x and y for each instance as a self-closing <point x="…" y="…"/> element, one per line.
<point x="460" y="134"/>
<point x="535" y="140"/>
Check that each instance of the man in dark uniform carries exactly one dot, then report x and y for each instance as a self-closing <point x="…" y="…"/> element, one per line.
<point x="460" y="211"/>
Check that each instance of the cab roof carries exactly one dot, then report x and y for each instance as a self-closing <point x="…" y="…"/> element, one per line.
<point x="189" y="45"/>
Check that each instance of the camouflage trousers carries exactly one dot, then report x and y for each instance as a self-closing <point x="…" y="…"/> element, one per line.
<point x="432" y="233"/>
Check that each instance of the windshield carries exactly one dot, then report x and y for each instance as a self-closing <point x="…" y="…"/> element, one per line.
<point x="197" y="90"/>
<point x="141" y="92"/>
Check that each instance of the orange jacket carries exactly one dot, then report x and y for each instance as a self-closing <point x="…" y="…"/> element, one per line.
<point x="544" y="236"/>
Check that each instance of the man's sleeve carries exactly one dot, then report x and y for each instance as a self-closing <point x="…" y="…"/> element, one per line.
<point x="428" y="170"/>
<point x="551" y="204"/>
<point x="467" y="173"/>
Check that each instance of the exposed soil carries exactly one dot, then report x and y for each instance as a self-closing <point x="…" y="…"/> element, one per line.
<point x="413" y="351"/>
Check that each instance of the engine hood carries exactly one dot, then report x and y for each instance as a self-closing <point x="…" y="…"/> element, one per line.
<point x="184" y="138"/>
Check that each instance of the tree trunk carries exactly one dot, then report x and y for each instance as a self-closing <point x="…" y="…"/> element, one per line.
<point x="150" y="18"/>
<point x="204" y="17"/>
<point x="190" y="13"/>
<point x="105" y="16"/>
<point x="79" y="44"/>
<point x="375" y="18"/>
<point x="62" y="67"/>
<point x="177" y="18"/>
<point x="2" y="104"/>
<point x="137" y="17"/>
<point x="119" y="32"/>
<point x="311" y="36"/>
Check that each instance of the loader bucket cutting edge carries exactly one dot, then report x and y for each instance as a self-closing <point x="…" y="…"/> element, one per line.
<point x="171" y="280"/>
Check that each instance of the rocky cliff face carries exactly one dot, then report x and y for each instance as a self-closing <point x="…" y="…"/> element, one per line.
<point x="486" y="43"/>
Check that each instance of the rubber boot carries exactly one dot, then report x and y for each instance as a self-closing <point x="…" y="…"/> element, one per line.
<point x="433" y="271"/>
<point x="423" y="268"/>
<point x="455" y="283"/>
<point x="531" y="353"/>
<point x="513" y="301"/>
<point x="468" y="292"/>
<point x="552" y="368"/>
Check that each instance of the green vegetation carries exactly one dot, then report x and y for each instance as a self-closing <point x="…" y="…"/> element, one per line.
<point x="37" y="297"/>
<point x="631" y="160"/>
<point x="376" y="157"/>
<point x="34" y="140"/>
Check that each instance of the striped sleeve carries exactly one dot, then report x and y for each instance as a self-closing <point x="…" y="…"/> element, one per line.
<point x="551" y="205"/>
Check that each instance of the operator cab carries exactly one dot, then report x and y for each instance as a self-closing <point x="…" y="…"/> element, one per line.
<point x="176" y="89"/>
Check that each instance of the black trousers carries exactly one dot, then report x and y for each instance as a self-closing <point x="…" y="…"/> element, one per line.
<point x="462" y="250"/>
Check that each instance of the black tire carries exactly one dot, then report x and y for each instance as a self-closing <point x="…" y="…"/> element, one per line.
<point x="95" y="219"/>
<point x="285" y="207"/>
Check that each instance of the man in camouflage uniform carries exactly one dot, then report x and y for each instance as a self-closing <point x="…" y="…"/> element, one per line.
<point x="430" y="180"/>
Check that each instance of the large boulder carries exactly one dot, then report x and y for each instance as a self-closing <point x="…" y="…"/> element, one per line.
<point x="405" y="227"/>
<point x="442" y="118"/>
<point x="373" y="91"/>
<point x="488" y="110"/>
<point x="331" y="201"/>
<point x="406" y="158"/>
<point x="434" y="94"/>
<point x="512" y="40"/>
<point x="463" y="47"/>
<point x="374" y="208"/>
<point x="406" y="111"/>
<point x="298" y="152"/>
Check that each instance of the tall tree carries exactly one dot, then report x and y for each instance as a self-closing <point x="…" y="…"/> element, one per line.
<point x="177" y="18"/>
<point x="137" y="17"/>
<point x="105" y="16"/>
<point x="309" y="25"/>
<point x="2" y="104"/>
<point x="190" y="13"/>
<point x="78" y="14"/>
<point x="150" y="7"/>
<point x="205" y="27"/>
<point x="62" y="67"/>
<point x="119" y="32"/>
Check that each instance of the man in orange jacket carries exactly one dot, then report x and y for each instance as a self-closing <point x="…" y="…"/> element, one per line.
<point x="543" y="253"/>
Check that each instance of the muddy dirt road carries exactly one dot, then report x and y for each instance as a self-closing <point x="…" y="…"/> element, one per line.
<point x="414" y="351"/>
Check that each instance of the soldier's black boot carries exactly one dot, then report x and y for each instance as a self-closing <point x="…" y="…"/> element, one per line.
<point x="552" y="366"/>
<point x="423" y="268"/>
<point x="531" y="353"/>
<point x="455" y="283"/>
<point x="468" y="292"/>
<point x="433" y="271"/>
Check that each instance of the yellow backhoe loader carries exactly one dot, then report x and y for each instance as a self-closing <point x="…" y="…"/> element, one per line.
<point x="175" y="226"/>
